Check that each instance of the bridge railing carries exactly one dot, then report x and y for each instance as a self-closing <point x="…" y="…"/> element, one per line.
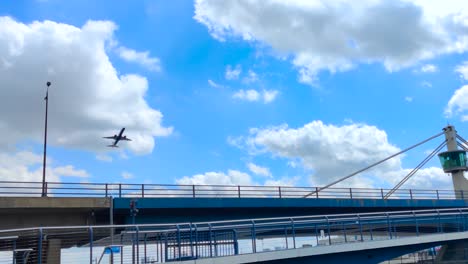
<point x="64" y="189"/>
<point x="183" y="241"/>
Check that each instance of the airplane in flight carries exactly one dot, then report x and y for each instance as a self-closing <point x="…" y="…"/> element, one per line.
<point x="117" y="138"/>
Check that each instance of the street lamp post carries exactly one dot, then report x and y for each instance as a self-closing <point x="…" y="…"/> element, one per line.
<point x="44" y="188"/>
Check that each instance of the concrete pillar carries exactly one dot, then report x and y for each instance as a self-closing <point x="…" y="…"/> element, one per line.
<point x="458" y="178"/>
<point x="454" y="252"/>
<point x="53" y="251"/>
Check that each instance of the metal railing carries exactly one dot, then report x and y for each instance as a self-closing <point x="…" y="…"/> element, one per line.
<point x="64" y="189"/>
<point x="184" y="241"/>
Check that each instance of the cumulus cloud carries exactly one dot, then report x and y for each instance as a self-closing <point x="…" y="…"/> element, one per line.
<point x="25" y="166"/>
<point x="462" y="69"/>
<point x="458" y="104"/>
<point x="233" y="177"/>
<point x="426" y="178"/>
<point x="88" y="99"/>
<point x="267" y="96"/>
<point x="335" y="36"/>
<point x="141" y="58"/>
<point x="70" y="171"/>
<point x="259" y="170"/>
<point x="329" y="152"/>
<point x="408" y="99"/>
<point x="233" y="73"/>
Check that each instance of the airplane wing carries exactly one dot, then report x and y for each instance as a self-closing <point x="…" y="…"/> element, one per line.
<point x="113" y="137"/>
<point x="127" y="139"/>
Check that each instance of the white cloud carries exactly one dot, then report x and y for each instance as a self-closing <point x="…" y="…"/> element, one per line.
<point x="70" y="171"/>
<point x="429" y="68"/>
<point x="87" y="98"/>
<point x="233" y="177"/>
<point x="462" y="69"/>
<point x="269" y="95"/>
<point x="409" y="99"/>
<point x="127" y="175"/>
<point x="431" y="178"/>
<point x="283" y="182"/>
<point x="329" y="151"/>
<point x="25" y="166"/>
<point x="214" y="85"/>
<point x="233" y="73"/>
<point x="142" y="58"/>
<point x="251" y="95"/>
<point x="458" y="104"/>
<point x="335" y="36"/>
<point x="248" y="95"/>
<point x="251" y="77"/>
<point x="259" y="170"/>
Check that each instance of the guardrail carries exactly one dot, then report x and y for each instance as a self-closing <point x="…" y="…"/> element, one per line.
<point x="64" y="189"/>
<point x="184" y="241"/>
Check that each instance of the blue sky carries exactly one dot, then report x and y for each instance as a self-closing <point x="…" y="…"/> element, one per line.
<point x="241" y="92"/>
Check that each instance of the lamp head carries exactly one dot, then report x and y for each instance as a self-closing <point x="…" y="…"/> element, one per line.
<point x="48" y="84"/>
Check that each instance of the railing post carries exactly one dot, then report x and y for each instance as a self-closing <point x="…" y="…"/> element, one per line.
<point x="39" y="247"/>
<point x="350" y="193"/>
<point x="293" y="232"/>
<point x="236" y="243"/>
<point x="328" y="231"/>
<point x="462" y="196"/>
<point x="137" y="230"/>
<point x="279" y="191"/>
<point x="142" y="190"/>
<point x="381" y="192"/>
<point x="462" y="219"/>
<point x="120" y="190"/>
<point x="254" y="238"/>
<point x="193" y="191"/>
<point x="179" y="247"/>
<point x="211" y="243"/>
<point x="439" y="226"/>
<point x="360" y="227"/>
<point x="90" y="232"/>
<point x="416" y="223"/>
<point x="389" y="226"/>
<point x="46" y="188"/>
<point x="238" y="191"/>
<point x="411" y="194"/>
<point x="437" y="192"/>
<point x="107" y="189"/>
<point x="316" y="192"/>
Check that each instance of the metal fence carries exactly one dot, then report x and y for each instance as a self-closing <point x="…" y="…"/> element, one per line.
<point x="63" y="189"/>
<point x="185" y="241"/>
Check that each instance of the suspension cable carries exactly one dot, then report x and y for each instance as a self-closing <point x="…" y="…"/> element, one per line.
<point x="372" y="165"/>
<point x="462" y="139"/>
<point x="420" y="165"/>
<point x="462" y="146"/>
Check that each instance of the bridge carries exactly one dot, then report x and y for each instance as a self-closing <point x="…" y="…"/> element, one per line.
<point x="185" y="223"/>
<point x="361" y="238"/>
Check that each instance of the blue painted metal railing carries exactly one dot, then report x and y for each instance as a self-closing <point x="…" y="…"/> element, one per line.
<point x="184" y="241"/>
<point x="64" y="189"/>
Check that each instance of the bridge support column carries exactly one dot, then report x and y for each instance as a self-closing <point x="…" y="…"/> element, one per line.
<point x="53" y="251"/>
<point x="460" y="183"/>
